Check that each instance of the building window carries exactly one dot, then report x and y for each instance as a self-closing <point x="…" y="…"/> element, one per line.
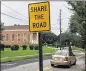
<point x="24" y="40"/>
<point x="12" y="37"/>
<point x="7" y="37"/>
<point x="18" y="37"/>
<point x="24" y="37"/>
<point x="34" y="36"/>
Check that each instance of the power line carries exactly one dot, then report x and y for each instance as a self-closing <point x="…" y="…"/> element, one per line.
<point x="13" y="10"/>
<point x="10" y="13"/>
<point x="12" y="16"/>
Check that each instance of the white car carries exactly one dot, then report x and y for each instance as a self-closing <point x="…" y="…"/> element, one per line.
<point x="62" y="57"/>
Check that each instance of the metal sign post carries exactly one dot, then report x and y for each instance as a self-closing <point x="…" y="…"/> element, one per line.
<point x="40" y="53"/>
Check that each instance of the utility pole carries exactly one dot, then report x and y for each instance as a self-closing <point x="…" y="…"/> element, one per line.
<point x="60" y="28"/>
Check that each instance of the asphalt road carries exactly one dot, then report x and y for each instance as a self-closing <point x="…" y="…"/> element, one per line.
<point x="33" y="65"/>
<point x="8" y="65"/>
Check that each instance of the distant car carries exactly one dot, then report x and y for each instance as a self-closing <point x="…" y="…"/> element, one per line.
<point x="62" y="57"/>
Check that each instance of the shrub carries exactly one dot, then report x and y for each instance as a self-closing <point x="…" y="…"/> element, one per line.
<point x="2" y="47"/>
<point x="14" y="47"/>
<point x="36" y="47"/>
<point x="24" y="47"/>
<point x="31" y="47"/>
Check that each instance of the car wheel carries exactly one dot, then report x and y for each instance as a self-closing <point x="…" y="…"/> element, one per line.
<point x="69" y="65"/>
<point x="52" y="65"/>
<point x="74" y="63"/>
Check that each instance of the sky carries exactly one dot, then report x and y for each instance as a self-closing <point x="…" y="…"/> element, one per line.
<point x="19" y="9"/>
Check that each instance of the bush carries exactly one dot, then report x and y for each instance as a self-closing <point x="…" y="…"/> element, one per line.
<point x="14" y="47"/>
<point x="2" y="47"/>
<point x="24" y="47"/>
<point x="36" y="47"/>
<point x="31" y="47"/>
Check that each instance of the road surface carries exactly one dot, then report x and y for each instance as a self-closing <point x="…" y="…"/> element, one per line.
<point x="33" y="65"/>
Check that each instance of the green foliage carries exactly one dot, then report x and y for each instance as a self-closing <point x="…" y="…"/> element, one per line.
<point x="1" y="29"/>
<point x="77" y="24"/>
<point x="67" y="37"/>
<point x="78" y="18"/>
<point x="2" y="47"/>
<point x="31" y="47"/>
<point x="14" y="47"/>
<point x="73" y="28"/>
<point x="48" y="37"/>
<point x="24" y="47"/>
<point x="34" y="46"/>
<point x="78" y="7"/>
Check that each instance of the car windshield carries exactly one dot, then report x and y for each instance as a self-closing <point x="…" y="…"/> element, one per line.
<point x="60" y="52"/>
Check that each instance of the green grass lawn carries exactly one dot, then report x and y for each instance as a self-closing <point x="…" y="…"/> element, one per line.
<point x="8" y="55"/>
<point x="77" y="48"/>
<point x="83" y="70"/>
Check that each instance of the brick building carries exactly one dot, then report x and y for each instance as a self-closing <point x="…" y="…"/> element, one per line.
<point x="18" y="34"/>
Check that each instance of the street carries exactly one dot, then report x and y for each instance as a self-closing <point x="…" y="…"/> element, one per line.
<point x="33" y="65"/>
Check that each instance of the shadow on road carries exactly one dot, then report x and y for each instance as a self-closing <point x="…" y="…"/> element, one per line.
<point x="61" y="66"/>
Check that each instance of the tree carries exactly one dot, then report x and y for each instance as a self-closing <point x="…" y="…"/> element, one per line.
<point x="66" y="37"/>
<point x="48" y="37"/>
<point x="73" y="28"/>
<point x="78" y="17"/>
<point x="1" y="29"/>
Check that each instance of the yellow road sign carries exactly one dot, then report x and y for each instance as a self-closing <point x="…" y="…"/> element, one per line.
<point x="39" y="16"/>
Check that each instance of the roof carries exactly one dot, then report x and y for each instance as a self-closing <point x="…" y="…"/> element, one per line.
<point x="16" y="27"/>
